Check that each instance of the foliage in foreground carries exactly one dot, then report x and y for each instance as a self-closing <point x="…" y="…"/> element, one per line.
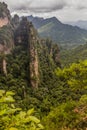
<point x="12" y="118"/>
<point x="71" y="114"/>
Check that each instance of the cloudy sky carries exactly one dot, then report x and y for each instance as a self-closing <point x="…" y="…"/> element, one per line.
<point x="64" y="10"/>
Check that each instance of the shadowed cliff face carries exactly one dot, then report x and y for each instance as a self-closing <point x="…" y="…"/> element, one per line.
<point x="26" y="36"/>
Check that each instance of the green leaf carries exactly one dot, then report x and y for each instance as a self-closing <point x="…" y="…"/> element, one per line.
<point x="34" y="119"/>
<point x="40" y="126"/>
<point x="8" y="99"/>
<point x="31" y="111"/>
<point x="2" y="112"/>
<point x="22" y="114"/>
<point x="2" y="92"/>
<point x="10" y="93"/>
<point x="12" y="105"/>
<point x="12" y="128"/>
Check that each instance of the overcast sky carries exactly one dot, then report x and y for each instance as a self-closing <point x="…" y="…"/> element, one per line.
<point x="64" y="10"/>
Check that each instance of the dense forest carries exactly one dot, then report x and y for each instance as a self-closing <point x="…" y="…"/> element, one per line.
<point x="42" y="85"/>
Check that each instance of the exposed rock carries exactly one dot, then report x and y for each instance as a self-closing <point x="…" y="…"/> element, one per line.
<point x="3" y="21"/>
<point x="4" y="66"/>
<point x="15" y="21"/>
<point x="34" y="68"/>
<point x="6" y="34"/>
<point x="26" y="36"/>
<point x="53" y="51"/>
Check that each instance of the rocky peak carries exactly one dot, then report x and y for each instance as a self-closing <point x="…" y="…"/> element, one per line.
<point x="21" y="33"/>
<point x="25" y="32"/>
<point x="15" y="21"/>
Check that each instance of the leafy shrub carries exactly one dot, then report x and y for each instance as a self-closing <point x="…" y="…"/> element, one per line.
<point x="12" y="118"/>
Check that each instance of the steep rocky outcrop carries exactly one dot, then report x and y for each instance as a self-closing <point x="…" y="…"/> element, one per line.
<point x="34" y="63"/>
<point x="53" y="50"/>
<point x="26" y="36"/>
<point x="6" y="34"/>
<point x="15" y="21"/>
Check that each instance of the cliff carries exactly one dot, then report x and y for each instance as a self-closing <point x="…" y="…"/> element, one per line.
<point x="6" y="34"/>
<point x="26" y="36"/>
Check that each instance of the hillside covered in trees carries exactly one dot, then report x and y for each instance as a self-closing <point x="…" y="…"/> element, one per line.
<point x="59" y="32"/>
<point x="41" y="86"/>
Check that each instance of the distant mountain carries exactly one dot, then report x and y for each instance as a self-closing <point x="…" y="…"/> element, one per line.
<point x="57" y="31"/>
<point x="39" y="22"/>
<point x="80" y="23"/>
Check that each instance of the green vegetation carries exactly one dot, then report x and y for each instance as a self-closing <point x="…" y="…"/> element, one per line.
<point x="69" y="56"/>
<point x="59" y="32"/>
<point x="71" y="113"/>
<point x="46" y="27"/>
<point x="60" y="100"/>
<point x="12" y="118"/>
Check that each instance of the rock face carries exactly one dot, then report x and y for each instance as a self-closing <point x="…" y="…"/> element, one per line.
<point x="26" y="36"/>
<point x="3" y="21"/>
<point x="15" y="21"/>
<point x="6" y="35"/>
<point x="52" y="50"/>
<point x="34" y="63"/>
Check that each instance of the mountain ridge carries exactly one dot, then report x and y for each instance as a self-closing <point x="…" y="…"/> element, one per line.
<point x="59" y="32"/>
<point x="81" y="23"/>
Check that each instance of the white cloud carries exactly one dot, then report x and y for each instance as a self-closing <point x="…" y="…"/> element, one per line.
<point x="65" y="10"/>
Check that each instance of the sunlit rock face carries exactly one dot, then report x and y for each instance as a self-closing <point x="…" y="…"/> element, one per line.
<point x="4" y="21"/>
